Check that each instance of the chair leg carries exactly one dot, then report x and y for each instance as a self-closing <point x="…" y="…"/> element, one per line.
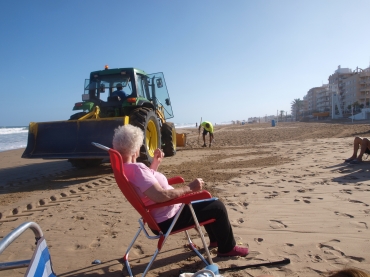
<point x="201" y="236"/>
<point x="161" y="242"/>
<point x="125" y="257"/>
<point x="151" y="262"/>
<point x="192" y="246"/>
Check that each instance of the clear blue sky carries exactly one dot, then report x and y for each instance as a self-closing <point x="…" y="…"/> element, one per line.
<point x="222" y="60"/>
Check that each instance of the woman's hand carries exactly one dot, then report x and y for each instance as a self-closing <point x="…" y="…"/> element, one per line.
<point x="158" y="155"/>
<point x="196" y="185"/>
<point x="157" y="159"/>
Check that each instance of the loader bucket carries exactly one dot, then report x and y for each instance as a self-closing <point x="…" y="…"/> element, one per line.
<point x="71" y="139"/>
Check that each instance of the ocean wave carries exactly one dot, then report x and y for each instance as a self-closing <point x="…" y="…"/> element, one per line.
<point x="13" y="130"/>
<point x="12" y="147"/>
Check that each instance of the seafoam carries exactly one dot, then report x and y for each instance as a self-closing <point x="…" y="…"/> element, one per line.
<point x="13" y="138"/>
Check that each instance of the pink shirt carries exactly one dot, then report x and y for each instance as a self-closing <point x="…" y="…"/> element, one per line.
<point x="142" y="177"/>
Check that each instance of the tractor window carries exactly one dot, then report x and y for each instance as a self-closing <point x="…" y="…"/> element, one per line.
<point x="106" y="84"/>
<point x="140" y="86"/>
<point x="162" y="98"/>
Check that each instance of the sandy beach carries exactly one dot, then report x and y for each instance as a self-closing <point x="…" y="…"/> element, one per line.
<point x="288" y="192"/>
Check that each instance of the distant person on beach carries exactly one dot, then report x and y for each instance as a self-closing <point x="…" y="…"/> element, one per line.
<point x="196" y="124"/>
<point x="152" y="187"/>
<point x="359" y="143"/>
<point x="120" y="93"/>
<point x="207" y="128"/>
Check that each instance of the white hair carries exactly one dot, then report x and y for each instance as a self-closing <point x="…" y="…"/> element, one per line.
<point x="127" y="139"/>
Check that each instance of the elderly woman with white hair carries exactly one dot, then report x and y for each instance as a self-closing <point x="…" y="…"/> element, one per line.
<point x="153" y="187"/>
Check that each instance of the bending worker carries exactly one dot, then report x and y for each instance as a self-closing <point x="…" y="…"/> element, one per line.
<point x="207" y="128"/>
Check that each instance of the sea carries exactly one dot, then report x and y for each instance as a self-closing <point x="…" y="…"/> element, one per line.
<point x="15" y="137"/>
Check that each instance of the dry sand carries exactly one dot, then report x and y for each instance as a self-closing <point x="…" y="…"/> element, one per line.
<point x="286" y="188"/>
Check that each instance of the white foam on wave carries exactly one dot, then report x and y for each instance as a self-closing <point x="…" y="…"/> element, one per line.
<point x="13" y="130"/>
<point x="13" y="138"/>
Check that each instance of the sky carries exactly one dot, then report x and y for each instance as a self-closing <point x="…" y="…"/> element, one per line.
<point x="222" y="60"/>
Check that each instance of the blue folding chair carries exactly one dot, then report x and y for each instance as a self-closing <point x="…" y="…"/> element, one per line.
<point x="40" y="264"/>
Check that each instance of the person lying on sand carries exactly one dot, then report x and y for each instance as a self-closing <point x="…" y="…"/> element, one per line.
<point x="153" y="187"/>
<point x="359" y="143"/>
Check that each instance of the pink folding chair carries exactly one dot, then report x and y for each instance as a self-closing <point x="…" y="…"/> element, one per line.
<point x="146" y="218"/>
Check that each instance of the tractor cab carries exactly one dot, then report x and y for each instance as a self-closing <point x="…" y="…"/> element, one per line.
<point x="145" y="90"/>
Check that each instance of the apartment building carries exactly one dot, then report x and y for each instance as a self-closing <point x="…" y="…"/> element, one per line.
<point x="337" y="85"/>
<point x="323" y="99"/>
<point x="363" y="94"/>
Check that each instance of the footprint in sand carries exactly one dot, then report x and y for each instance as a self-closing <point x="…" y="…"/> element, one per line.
<point x="277" y="224"/>
<point x="272" y="195"/>
<point x="360" y="225"/>
<point x="315" y="258"/>
<point x="344" y="214"/>
<point x="95" y="244"/>
<point x="138" y="249"/>
<point x="240" y="220"/>
<point x="331" y="250"/>
<point x="258" y="240"/>
<point x="348" y="191"/>
<point x="79" y="246"/>
<point x="357" y="201"/>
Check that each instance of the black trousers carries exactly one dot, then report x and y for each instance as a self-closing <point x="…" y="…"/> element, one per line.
<point x="219" y="231"/>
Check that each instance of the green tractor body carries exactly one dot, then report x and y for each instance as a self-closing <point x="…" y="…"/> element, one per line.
<point x="147" y="106"/>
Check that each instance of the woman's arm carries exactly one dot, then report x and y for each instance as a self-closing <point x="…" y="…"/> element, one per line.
<point x="157" y="194"/>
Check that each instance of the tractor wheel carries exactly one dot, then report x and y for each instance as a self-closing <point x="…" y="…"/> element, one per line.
<point x="77" y="115"/>
<point x="146" y="120"/>
<point x="169" y="139"/>
<point x="85" y="163"/>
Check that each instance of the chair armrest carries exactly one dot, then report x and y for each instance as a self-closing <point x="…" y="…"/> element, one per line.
<point x="184" y="199"/>
<point x="175" y="180"/>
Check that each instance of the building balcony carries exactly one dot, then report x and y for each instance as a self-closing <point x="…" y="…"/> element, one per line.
<point x="364" y="74"/>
